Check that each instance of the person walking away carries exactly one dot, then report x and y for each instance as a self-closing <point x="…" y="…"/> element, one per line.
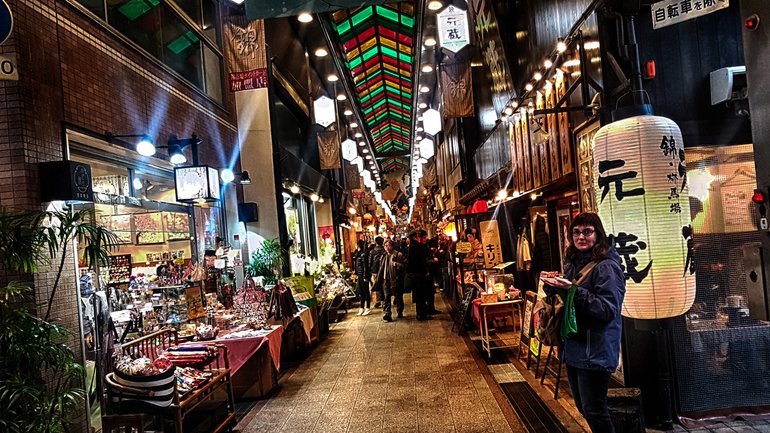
<point x="417" y="273"/>
<point x="434" y="271"/>
<point x="592" y="354"/>
<point x="361" y="266"/>
<point x="391" y="265"/>
<point x="375" y="258"/>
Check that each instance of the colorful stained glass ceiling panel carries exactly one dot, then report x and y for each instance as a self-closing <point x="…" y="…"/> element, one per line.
<point x="378" y="43"/>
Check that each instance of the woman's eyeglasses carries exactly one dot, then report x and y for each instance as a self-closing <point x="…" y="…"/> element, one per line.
<point x="584" y="232"/>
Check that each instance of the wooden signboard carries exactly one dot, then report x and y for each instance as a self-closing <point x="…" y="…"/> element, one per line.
<point x="519" y="154"/>
<point x="514" y="155"/>
<point x="526" y="153"/>
<point x="553" y="134"/>
<point x="533" y="151"/>
<point x="564" y="131"/>
<point x="542" y="142"/>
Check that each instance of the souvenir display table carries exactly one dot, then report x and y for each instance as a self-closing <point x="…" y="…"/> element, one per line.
<point x="255" y="359"/>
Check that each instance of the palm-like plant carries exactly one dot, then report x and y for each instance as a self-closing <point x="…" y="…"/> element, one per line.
<point x="268" y="261"/>
<point x="39" y="378"/>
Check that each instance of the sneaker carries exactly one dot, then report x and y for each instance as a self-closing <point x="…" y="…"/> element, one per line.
<point x="387" y="318"/>
<point x="366" y="312"/>
<point x="360" y="311"/>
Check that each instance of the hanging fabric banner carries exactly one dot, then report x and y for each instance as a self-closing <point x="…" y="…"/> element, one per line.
<point x="329" y="150"/>
<point x="429" y="174"/>
<point x="352" y="179"/>
<point x="245" y="50"/>
<point x="457" y="89"/>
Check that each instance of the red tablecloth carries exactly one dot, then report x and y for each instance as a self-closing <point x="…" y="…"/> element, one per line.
<point x="239" y="350"/>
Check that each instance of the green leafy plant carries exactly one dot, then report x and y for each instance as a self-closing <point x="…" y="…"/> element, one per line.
<point x="40" y="381"/>
<point x="268" y="261"/>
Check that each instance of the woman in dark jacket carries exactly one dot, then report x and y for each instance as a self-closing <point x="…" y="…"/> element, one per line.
<point x="361" y="267"/>
<point x="592" y="355"/>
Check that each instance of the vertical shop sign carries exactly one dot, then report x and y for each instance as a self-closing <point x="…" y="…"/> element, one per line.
<point x="324" y="112"/>
<point x="670" y="12"/>
<point x="490" y="243"/>
<point x="453" y="33"/>
<point x="457" y="90"/>
<point x="246" y="53"/>
<point x="641" y="190"/>
<point x="490" y="43"/>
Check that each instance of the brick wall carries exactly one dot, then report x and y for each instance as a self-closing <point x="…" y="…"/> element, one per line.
<point x="75" y="73"/>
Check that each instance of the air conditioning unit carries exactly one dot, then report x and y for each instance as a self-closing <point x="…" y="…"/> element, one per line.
<point x="728" y="84"/>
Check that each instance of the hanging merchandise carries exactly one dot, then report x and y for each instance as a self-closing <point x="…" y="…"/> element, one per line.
<point x="282" y="303"/>
<point x="523" y="255"/>
<point x="251" y="303"/>
<point x="640" y="183"/>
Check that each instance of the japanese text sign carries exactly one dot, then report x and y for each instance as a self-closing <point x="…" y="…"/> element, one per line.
<point x="453" y="31"/>
<point x="490" y="242"/>
<point x="669" y="12"/>
<point x="640" y="180"/>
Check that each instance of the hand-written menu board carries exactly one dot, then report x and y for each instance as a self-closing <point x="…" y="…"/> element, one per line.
<point x="527" y="330"/>
<point x="148" y="228"/>
<point x="177" y="226"/>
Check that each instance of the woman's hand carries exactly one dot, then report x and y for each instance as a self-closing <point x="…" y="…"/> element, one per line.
<point x="558" y="282"/>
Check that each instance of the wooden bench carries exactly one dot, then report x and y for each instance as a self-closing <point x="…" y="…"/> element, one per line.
<point x="151" y="346"/>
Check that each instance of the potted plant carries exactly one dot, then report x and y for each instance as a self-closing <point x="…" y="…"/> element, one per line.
<point x="40" y="381"/>
<point x="268" y="261"/>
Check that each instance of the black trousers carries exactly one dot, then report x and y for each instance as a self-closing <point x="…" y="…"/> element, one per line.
<point x="589" y="388"/>
<point x="387" y="294"/>
<point x="363" y="292"/>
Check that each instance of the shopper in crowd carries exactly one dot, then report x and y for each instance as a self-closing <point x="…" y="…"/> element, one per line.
<point x="417" y="278"/>
<point x="592" y="355"/>
<point x="361" y="267"/>
<point x="391" y="269"/>
<point x="434" y="272"/>
<point x="375" y="258"/>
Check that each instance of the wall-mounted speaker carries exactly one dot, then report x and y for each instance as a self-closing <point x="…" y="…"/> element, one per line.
<point x="248" y="212"/>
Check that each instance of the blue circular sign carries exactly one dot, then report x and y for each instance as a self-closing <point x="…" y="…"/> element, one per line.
<point x="6" y="21"/>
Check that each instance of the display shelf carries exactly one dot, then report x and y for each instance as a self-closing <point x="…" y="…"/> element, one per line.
<point x="119" y="269"/>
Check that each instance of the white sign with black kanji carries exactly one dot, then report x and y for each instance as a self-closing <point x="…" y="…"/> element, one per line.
<point x="670" y="12"/>
<point x="453" y="32"/>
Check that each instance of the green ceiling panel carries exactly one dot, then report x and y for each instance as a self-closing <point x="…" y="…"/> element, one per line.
<point x="384" y="87"/>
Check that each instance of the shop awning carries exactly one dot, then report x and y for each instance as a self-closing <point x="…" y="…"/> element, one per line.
<point x="256" y="9"/>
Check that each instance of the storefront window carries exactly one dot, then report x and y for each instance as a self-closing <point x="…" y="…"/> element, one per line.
<point x="721" y="348"/>
<point x="160" y="30"/>
<point x="301" y="225"/>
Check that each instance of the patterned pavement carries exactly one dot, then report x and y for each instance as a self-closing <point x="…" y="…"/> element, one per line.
<point x="370" y="376"/>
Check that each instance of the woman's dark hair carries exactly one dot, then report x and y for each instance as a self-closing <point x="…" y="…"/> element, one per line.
<point x="361" y="244"/>
<point x="602" y="245"/>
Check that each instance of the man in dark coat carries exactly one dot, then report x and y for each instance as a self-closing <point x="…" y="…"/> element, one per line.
<point x="391" y="269"/>
<point x="361" y="267"/>
<point x="417" y="277"/>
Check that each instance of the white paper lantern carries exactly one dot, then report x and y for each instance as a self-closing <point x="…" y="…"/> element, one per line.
<point x="358" y="162"/>
<point x="641" y="189"/>
<point x="324" y="112"/>
<point x="349" y="152"/>
<point x="432" y="121"/>
<point x="426" y="148"/>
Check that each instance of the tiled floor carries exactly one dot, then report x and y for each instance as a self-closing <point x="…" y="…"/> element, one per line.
<point x="370" y="376"/>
